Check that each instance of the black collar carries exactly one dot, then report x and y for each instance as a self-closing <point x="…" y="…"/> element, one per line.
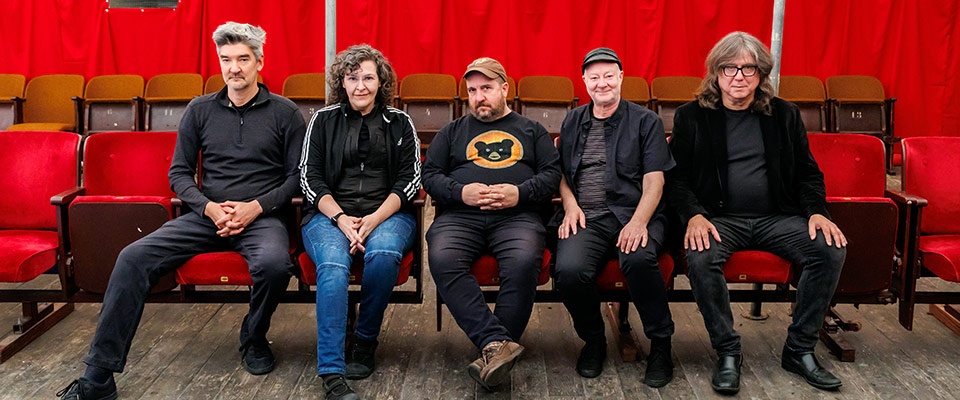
<point x="613" y="120"/>
<point x="263" y="95"/>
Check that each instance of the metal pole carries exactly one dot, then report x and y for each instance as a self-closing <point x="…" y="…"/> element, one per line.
<point x="776" y="42"/>
<point x="330" y="36"/>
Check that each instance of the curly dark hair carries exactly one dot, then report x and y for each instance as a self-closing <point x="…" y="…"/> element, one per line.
<point x="348" y="61"/>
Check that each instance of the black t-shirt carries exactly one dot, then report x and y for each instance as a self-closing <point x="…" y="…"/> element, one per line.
<point x="749" y="187"/>
<point x="512" y="149"/>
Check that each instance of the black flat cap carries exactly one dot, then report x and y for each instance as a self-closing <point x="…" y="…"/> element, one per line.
<point x="600" y="54"/>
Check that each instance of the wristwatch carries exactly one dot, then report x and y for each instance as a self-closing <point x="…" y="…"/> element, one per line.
<point x="333" y="219"/>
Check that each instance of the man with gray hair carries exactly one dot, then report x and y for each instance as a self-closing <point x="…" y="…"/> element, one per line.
<point x="250" y="142"/>
<point x="745" y="179"/>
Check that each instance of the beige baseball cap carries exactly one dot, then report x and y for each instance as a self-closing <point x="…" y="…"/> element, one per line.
<point x="488" y="67"/>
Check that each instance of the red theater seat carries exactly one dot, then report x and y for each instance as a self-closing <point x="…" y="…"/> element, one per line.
<point x="38" y="168"/>
<point x="931" y="169"/>
<point x="487" y="271"/>
<point x="126" y="196"/>
<point x="218" y="268"/>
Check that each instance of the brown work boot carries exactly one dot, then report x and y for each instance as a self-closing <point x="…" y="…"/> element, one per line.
<point x="496" y="362"/>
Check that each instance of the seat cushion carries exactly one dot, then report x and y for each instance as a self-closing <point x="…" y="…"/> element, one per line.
<point x="487" y="272"/>
<point x="941" y="255"/>
<point x="752" y="266"/>
<point x="41" y="126"/>
<point x="611" y="278"/>
<point x="309" y="270"/>
<point x="24" y="254"/>
<point x="218" y="268"/>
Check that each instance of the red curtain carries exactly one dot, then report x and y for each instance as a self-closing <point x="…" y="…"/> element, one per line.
<point x="913" y="47"/>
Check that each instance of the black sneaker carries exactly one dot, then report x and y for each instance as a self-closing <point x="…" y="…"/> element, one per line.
<point x="84" y="389"/>
<point x="335" y="388"/>
<point x="590" y="361"/>
<point x="360" y="358"/>
<point x="659" y="364"/>
<point x="257" y="357"/>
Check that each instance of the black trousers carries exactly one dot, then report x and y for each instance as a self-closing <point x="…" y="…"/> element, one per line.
<point x="264" y="244"/>
<point x="786" y="236"/>
<point x="457" y="239"/>
<point x="581" y="257"/>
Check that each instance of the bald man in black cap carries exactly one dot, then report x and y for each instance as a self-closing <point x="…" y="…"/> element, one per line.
<point x="613" y="154"/>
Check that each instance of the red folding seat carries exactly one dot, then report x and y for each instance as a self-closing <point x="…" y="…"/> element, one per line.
<point x="38" y="168"/>
<point x="126" y="195"/>
<point x="869" y="216"/>
<point x="858" y="105"/>
<point x="931" y="170"/>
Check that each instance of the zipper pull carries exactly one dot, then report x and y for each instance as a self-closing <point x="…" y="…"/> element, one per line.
<point x="361" y="164"/>
<point x="241" y="120"/>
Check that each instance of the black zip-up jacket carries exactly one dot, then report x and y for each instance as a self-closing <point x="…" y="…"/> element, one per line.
<point x="322" y="159"/>
<point x="245" y="156"/>
<point x="697" y="185"/>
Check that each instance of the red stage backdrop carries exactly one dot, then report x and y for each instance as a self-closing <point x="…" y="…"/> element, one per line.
<point x="912" y="46"/>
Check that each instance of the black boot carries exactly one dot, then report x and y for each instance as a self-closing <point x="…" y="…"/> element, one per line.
<point x="659" y="364"/>
<point x="807" y="366"/>
<point x="360" y="358"/>
<point x="726" y="378"/>
<point x="592" y="355"/>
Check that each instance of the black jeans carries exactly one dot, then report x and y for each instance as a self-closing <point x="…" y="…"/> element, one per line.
<point x="456" y="239"/>
<point x="581" y="257"/>
<point x="786" y="236"/>
<point x="264" y="244"/>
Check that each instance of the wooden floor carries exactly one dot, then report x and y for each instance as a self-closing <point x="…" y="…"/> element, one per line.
<point x="190" y="352"/>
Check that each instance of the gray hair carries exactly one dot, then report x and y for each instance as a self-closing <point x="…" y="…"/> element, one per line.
<point x="725" y="51"/>
<point x="231" y="32"/>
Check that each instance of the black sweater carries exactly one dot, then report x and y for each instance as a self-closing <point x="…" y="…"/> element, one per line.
<point x="246" y="156"/>
<point x="512" y="149"/>
<point x="697" y="185"/>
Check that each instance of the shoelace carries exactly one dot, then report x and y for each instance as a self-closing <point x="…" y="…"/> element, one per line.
<point x="491" y="350"/>
<point x="64" y="391"/>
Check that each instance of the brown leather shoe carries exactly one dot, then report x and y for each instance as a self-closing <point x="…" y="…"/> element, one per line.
<point x="497" y="360"/>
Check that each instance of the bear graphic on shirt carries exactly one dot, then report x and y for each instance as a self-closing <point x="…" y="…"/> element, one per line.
<point x="494" y="149"/>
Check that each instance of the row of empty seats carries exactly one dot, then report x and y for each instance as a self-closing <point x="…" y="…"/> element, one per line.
<point x="847" y="104"/>
<point x="125" y="195"/>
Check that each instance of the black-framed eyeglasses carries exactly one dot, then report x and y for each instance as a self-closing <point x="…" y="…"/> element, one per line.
<point x="730" y="71"/>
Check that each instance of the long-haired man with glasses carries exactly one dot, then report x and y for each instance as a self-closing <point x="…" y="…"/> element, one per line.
<point x="745" y="179"/>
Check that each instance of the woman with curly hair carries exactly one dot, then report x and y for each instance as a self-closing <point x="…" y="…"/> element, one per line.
<point x="360" y="171"/>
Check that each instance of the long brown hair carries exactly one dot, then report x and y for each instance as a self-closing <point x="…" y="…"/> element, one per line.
<point x="725" y="51"/>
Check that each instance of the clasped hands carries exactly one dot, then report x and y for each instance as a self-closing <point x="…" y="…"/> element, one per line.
<point x="490" y="197"/>
<point x="356" y="229"/>
<point x="231" y="217"/>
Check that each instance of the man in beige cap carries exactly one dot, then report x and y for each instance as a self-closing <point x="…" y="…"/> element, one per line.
<point x="491" y="172"/>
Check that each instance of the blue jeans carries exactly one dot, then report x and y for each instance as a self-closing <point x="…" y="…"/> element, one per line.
<point x="330" y="251"/>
